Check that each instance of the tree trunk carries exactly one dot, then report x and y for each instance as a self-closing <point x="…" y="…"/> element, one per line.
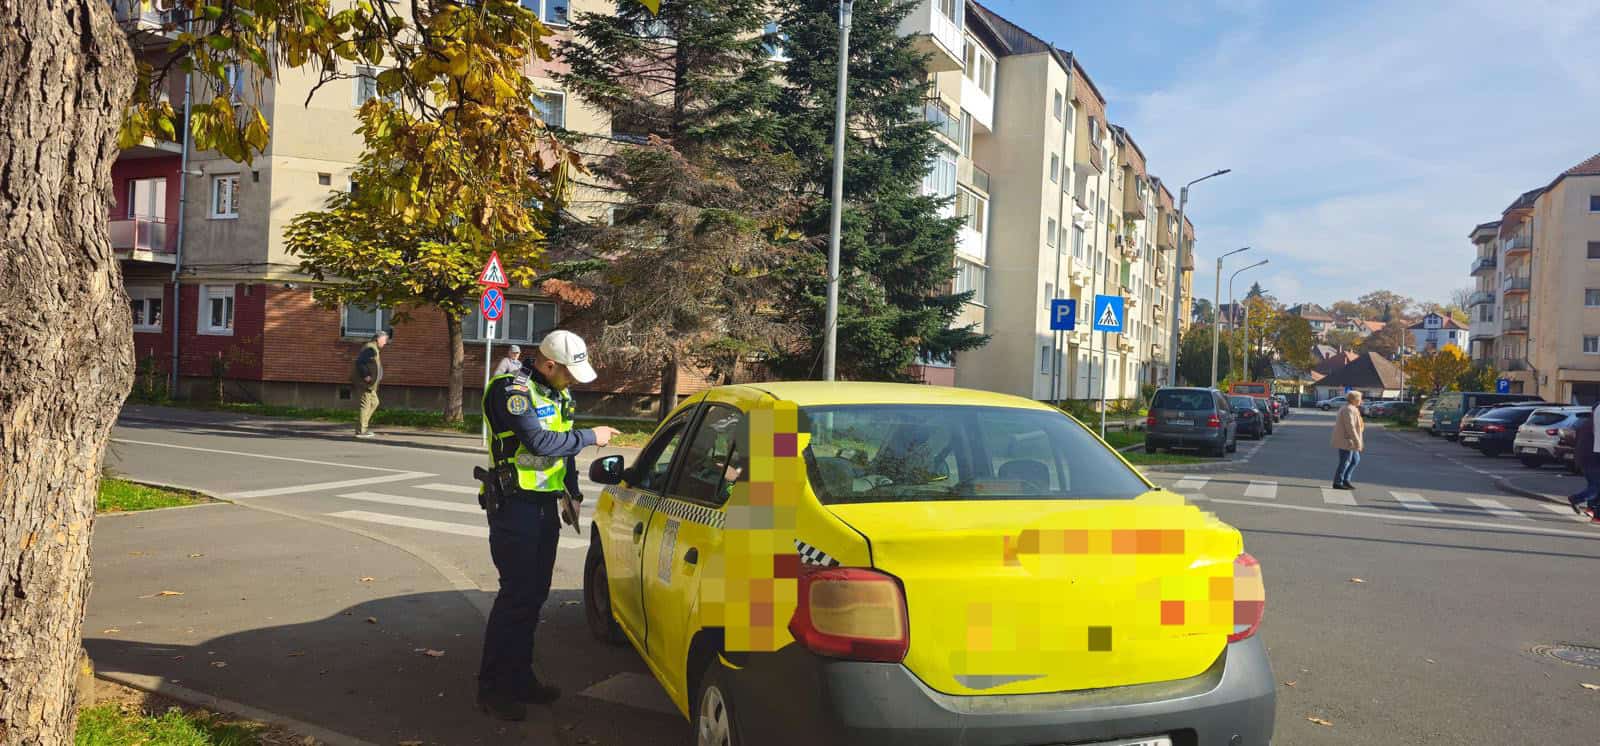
<point x="66" y="361"/>
<point x="669" y="388"/>
<point x="452" y="395"/>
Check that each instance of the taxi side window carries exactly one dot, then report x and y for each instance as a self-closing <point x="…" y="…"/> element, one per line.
<point x="655" y="465"/>
<point x="716" y="457"/>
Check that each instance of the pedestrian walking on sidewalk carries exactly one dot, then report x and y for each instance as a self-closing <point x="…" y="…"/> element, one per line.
<point x="511" y="363"/>
<point x="1349" y="430"/>
<point x="365" y="377"/>
<point x="531" y="453"/>
<point x="1587" y="500"/>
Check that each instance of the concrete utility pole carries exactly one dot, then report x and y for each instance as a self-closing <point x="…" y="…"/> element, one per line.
<point x="1177" y="279"/>
<point x="1216" y="313"/>
<point x="1231" y="306"/>
<point x="830" y="342"/>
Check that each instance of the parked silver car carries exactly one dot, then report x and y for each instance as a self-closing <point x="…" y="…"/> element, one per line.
<point x="1536" y="440"/>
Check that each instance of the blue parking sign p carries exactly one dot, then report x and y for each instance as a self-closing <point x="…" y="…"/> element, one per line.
<point x="1502" y="386"/>
<point x="1063" y="315"/>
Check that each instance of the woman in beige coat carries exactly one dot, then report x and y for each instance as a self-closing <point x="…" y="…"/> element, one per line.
<point x="1348" y="429"/>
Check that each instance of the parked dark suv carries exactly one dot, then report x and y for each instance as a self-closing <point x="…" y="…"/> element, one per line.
<point x="1494" y="431"/>
<point x="1255" y="416"/>
<point x="1191" y="418"/>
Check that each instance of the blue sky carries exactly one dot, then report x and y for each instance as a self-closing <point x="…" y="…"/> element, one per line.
<point x="1366" y="138"/>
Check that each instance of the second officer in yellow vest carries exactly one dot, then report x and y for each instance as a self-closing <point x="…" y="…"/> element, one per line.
<point x="532" y="443"/>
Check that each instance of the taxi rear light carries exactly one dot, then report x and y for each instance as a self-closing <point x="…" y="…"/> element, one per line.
<point x="852" y="613"/>
<point x="1249" y="597"/>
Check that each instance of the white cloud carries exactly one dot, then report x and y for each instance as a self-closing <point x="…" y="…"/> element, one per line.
<point x="1365" y="146"/>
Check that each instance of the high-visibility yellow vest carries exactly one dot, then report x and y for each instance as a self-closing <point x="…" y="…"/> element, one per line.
<point x="535" y="473"/>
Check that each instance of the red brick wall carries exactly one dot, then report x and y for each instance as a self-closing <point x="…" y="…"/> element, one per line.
<point x="128" y="169"/>
<point x="249" y="315"/>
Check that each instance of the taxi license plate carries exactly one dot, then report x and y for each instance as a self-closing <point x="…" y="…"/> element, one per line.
<point x="1530" y="450"/>
<point x="1171" y="422"/>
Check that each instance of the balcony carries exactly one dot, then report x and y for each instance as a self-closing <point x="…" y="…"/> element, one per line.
<point x="1515" y="325"/>
<point x="1513" y="365"/>
<point x="975" y="100"/>
<point x="1517" y="285"/>
<point x="142" y="239"/>
<point x="1519" y="245"/>
<point x="944" y="122"/>
<point x="935" y="30"/>
<point x="1483" y="264"/>
<point x="1480" y="298"/>
<point x="980" y="179"/>
<point x="1125" y="344"/>
<point x="147" y="23"/>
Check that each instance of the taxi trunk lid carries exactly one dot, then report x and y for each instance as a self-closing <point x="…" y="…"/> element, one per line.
<point x="1030" y="596"/>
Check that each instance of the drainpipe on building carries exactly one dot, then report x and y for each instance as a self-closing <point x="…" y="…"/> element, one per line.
<point x="1057" y="338"/>
<point x="183" y="207"/>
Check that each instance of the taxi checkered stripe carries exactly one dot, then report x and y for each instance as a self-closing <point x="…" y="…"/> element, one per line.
<point x="691" y="512"/>
<point x="810" y="555"/>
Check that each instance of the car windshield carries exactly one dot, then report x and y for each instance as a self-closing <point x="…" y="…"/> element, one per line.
<point x="919" y="452"/>
<point x="1182" y="399"/>
<point x="1546" y="418"/>
<point x="1242" y="401"/>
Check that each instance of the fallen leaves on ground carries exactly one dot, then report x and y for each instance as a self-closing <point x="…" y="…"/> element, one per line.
<point x="1320" y="721"/>
<point x="1595" y="687"/>
<point x="430" y="652"/>
<point x="1291" y="683"/>
<point x="1357" y="580"/>
<point x="570" y="603"/>
<point x="196" y="555"/>
<point x="366" y="580"/>
<point x="372" y="620"/>
<point x="219" y="664"/>
<point x="296" y="653"/>
<point x="110" y="631"/>
<point x="163" y="594"/>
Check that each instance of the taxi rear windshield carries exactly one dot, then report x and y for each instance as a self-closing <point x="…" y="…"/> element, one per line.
<point x="923" y="452"/>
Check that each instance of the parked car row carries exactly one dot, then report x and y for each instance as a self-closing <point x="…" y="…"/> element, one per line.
<point x="1537" y="432"/>
<point x="1208" y="420"/>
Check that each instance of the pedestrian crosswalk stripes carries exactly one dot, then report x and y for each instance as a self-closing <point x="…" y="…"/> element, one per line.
<point x="1496" y="507"/>
<point x="444" y="527"/>
<point x="455" y="489"/>
<point x="1563" y="511"/>
<point x="1262" y="490"/>
<point x="1414" y="501"/>
<point x="1332" y="496"/>
<point x="413" y="502"/>
<point x="1191" y="483"/>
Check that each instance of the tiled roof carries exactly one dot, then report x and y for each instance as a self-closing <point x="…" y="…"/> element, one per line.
<point x="1367" y="371"/>
<point x="1489" y="226"/>
<point x="1448" y="323"/>
<point x="1589" y="167"/>
<point x="1525" y="200"/>
<point x="1018" y="40"/>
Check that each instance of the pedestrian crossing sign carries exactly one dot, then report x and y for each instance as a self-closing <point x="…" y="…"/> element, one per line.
<point x="1108" y="313"/>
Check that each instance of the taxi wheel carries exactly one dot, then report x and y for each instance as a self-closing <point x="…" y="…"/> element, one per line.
<point x="713" y="714"/>
<point x="597" y="597"/>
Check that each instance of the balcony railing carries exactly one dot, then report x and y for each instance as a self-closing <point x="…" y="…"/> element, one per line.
<point x="980" y="179"/>
<point x="943" y="121"/>
<point x="1482" y="263"/>
<point x="1517" y="284"/>
<point x="140" y="234"/>
<point x="1516" y="364"/>
<point x="1519" y="243"/>
<point x="1480" y="298"/>
<point x="1515" y="324"/>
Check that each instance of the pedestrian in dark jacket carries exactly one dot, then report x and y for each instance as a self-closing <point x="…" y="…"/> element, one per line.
<point x="365" y="376"/>
<point x="1587" y="500"/>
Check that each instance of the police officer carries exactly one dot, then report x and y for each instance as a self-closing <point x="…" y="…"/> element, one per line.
<point x="530" y="424"/>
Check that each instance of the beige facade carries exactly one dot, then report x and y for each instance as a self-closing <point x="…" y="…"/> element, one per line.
<point x="1536" y="305"/>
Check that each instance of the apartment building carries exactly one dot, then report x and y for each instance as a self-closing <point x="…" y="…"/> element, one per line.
<point x="1536" y="305"/>
<point x="1073" y="213"/>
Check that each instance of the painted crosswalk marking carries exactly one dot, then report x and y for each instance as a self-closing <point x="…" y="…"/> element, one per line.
<point x="1563" y="511"/>
<point x="1262" y="490"/>
<point x="1496" y="507"/>
<point x="1414" y="501"/>
<point x="456" y="489"/>
<point x="413" y="502"/>
<point x="1338" y="497"/>
<point x="1191" y="483"/>
<point x="298" y="489"/>
<point x="443" y="527"/>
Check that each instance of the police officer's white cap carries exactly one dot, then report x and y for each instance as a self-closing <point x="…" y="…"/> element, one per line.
<point x="569" y="350"/>
<point x="515" y="349"/>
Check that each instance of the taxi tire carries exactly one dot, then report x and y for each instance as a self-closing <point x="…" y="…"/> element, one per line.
<point x="597" y="597"/>
<point x="714" y="687"/>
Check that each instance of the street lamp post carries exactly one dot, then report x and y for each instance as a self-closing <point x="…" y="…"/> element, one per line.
<point x="1177" y="277"/>
<point x="1216" y="314"/>
<point x="1231" y="306"/>
<point x="830" y="341"/>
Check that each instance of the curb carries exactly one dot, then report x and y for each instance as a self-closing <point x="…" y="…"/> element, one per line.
<point x="157" y="685"/>
<point x="1504" y="483"/>
<point x="290" y="429"/>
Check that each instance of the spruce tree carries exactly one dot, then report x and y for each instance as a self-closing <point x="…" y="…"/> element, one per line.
<point x="897" y="254"/>
<point x="685" y="273"/>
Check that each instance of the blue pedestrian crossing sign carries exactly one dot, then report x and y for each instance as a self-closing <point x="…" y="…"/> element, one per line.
<point x="1502" y="386"/>
<point x="1063" y="315"/>
<point x="1108" y="315"/>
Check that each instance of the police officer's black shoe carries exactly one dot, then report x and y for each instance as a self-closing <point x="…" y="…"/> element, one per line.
<point x="541" y="694"/>
<point x="502" y="708"/>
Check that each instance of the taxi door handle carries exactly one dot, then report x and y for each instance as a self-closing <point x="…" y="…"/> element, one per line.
<point x="692" y="556"/>
<point x="638" y="532"/>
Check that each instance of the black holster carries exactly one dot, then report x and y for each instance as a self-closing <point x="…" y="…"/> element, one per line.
<point x="499" y="484"/>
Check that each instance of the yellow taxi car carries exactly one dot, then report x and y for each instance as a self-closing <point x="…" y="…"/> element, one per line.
<point x="856" y="563"/>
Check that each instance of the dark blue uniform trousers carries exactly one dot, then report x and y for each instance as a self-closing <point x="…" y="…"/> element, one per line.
<point x="522" y="541"/>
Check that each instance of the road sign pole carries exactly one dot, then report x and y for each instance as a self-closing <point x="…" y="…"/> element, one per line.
<point x="488" y="358"/>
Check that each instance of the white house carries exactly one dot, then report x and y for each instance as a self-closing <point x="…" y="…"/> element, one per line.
<point x="1435" y="331"/>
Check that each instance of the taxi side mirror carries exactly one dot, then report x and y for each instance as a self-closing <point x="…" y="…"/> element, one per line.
<point x="606" y="470"/>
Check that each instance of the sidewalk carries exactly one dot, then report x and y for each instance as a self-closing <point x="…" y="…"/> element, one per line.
<point x="200" y="419"/>
<point x="300" y="620"/>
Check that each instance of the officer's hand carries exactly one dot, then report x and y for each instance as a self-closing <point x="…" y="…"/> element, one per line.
<point x="366" y="379"/>
<point x="602" y="435"/>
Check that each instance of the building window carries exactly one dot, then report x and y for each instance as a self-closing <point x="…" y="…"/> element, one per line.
<point x="972" y="209"/>
<point x="775" y="42"/>
<point x="364" y="321"/>
<point x="233" y="78"/>
<point x="551" y="12"/>
<point x="970" y="278"/>
<point x="1055" y="168"/>
<point x="551" y="107"/>
<point x="147" y="198"/>
<point x="965" y="138"/>
<point x="1591" y="297"/>
<point x="225" y="197"/>
<point x="524" y="322"/>
<point x="1594" y="203"/>
<point x="941" y="178"/>
<point x="216" y="309"/>
<point x="1594" y="249"/>
<point x="979" y="66"/>
<point x="1044" y="359"/>
<point x="1050" y="232"/>
<point x="1058" y="106"/>
<point x="1591" y="345"/>
<point x="145" y="303"/>
<point x="1077" y="242"/>
<point x="1049" y="294"/>
<point x="366" y="84"/>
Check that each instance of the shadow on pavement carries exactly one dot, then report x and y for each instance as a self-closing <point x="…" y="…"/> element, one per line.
<point x="1438" y="545"/>
<point x="402" y="668"/>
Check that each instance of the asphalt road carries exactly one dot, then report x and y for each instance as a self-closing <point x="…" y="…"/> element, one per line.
<point x="1406" y="612"/>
